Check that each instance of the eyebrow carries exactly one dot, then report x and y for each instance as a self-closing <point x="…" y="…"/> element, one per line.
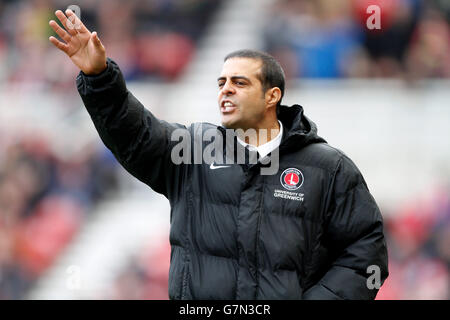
<point x="235" y="78"/>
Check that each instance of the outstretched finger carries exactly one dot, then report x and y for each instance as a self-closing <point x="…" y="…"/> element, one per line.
<point x="60" y="45"/>
<point x="68" y="25"/>
<point x="78" y="25"/>
<point x="59" y="31"/>
<point x="96" y="39"/>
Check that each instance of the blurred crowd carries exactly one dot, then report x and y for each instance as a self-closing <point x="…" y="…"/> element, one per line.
<point x="331" y="39"/>
<point x="156" y="39"/>
<point x="44" y="199"/>
<point x="152" y="40"/>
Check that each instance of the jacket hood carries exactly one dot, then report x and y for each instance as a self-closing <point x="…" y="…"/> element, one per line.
<point x="299" y="130"/>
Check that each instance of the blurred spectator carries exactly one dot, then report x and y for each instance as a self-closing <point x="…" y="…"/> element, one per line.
<point x="320" y="34"/>
<point x="387" y="47"/>
<point x="330" y="39"/>
<point x="428" y="56"/>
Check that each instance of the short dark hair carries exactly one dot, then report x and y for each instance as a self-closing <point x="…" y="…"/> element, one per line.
<point x="272" y="74"/>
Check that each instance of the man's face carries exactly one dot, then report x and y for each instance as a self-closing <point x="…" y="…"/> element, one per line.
<point x="241" y="99"/>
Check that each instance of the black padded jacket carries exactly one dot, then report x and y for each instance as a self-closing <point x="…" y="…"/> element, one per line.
<point x="310" y="231"/>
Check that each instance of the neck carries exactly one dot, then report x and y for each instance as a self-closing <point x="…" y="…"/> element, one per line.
<point x="260" y="135"/>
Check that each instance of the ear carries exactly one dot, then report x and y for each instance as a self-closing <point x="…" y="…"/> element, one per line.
<point x="272" y="96"/>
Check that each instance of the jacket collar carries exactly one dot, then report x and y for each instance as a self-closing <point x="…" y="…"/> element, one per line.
<point x="298" y="130"/>
<point x="267" y="147"/>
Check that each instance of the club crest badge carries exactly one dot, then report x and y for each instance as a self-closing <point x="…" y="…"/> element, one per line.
<point x="291" y="179"/>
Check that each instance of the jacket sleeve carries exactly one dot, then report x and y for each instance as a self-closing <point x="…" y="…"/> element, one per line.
<point x="139" y="141"/>
<point x="354" y="237"/>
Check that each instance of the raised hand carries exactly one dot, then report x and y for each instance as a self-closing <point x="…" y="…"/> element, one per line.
<point x="83" y="47"/>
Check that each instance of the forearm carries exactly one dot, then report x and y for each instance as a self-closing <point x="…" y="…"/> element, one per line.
<point x="117" y="115"/>
<point x="138" y="140"/>
<point x="104" y="94"/>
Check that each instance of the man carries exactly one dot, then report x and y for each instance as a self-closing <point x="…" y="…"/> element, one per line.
<point x="310" y="231"/>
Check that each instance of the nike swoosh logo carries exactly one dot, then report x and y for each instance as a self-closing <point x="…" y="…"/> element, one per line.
<point x="212" y="166"/>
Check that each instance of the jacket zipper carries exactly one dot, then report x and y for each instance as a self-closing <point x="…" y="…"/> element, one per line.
<point x="257" y="237"/>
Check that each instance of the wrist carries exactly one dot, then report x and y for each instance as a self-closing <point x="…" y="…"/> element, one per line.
<point x="101" y="69"/>
<point x="98" y="71"/>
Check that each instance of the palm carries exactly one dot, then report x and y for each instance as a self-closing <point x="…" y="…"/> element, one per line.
<point x="81" y="46"/>
<point x="83" y="52"/>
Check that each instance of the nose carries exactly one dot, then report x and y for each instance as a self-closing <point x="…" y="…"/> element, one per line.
<point x="227" y="88"/>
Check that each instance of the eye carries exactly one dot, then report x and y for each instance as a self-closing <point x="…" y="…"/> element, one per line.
<point x="221" y="84"/>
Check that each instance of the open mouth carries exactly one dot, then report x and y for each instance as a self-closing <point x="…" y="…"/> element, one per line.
<point x="227" y="106"/>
